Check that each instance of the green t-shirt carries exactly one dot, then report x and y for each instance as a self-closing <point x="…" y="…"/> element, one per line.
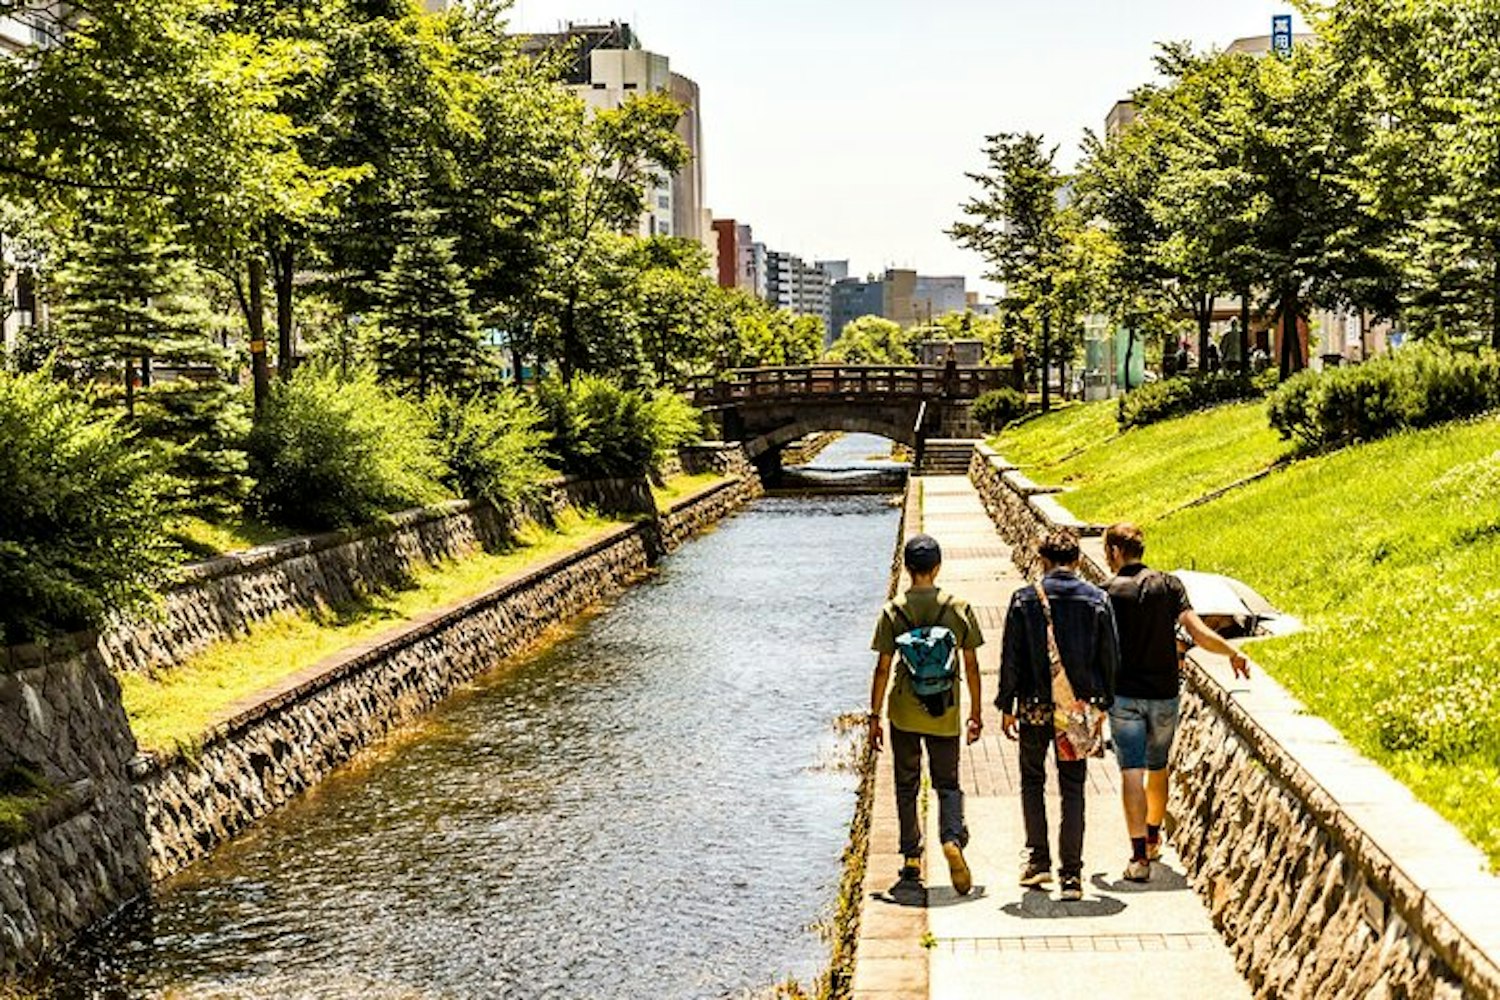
<point x="927" y="606"/>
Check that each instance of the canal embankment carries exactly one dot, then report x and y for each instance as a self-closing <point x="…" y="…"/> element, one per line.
<point x="1325" y="875"/>
<point x="654" y="804"/>
<point x="119" y="819"/>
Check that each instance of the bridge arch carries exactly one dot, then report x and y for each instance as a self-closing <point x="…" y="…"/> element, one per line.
<point x="844" y="420"/>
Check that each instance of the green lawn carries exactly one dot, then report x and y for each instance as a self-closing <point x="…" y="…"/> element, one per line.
<point x="204" y="539"/>
<point x="1146" y="472"/>
<point x="678" y="487"/>
<point x="176" y="707"/>
<point x="1390" y="553"/>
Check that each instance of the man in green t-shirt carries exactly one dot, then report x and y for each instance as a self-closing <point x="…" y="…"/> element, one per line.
<point x="934" y="720"/>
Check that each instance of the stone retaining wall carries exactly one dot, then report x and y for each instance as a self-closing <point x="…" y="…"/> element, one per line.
<point x="122" y="818"/>
<point x="61" y="716"/>
<point x="1325" y="875"/>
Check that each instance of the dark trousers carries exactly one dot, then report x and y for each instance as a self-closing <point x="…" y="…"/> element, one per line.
<point x="942" y="767"/>
<point x="1071" y="774"/>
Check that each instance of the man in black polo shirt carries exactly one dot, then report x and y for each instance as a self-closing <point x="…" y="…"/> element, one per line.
<point x="1148" y="608"/>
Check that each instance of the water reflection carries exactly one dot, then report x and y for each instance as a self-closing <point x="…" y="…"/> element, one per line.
<point x="645" y="810"/>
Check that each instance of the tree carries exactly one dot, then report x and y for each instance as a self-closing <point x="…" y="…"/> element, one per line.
<point x="871" y="340"/>
<point x="133" y="306"/>
<point x="424" y="332"/>
<point x="678" y="307"/>
<point x="1016" y="227"/>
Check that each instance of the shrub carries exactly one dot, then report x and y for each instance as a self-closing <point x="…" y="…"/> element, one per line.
<point x="1418" y="387"/>
<point x="1173" y="397"/>
<point x="993" y="410"/>
<point x="601" y="430"/>
<point x="330" y="452"/>
<point x="674" y="422"/>
<point x="494" y="445"/>
<point x="84" y="532"/>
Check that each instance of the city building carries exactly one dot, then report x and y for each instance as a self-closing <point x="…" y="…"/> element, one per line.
<point x="903" y="296"/>
<point x="801" y="287"/>
<point x="607" y="66"/>
<point x="741" y="261"/>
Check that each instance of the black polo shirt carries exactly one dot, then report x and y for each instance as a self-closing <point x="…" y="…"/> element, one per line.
<point x="1147" y="605"/>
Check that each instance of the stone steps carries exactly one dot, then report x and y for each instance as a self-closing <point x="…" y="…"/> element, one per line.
<point x="946" y="457"/>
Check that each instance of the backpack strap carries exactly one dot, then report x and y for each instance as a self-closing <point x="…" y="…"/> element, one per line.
<point x="905" y="618"/>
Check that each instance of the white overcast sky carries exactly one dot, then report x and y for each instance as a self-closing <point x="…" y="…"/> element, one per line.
<point x="842" y="128"/>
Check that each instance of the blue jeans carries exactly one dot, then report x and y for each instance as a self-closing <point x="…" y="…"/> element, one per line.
<point x="1143" y="730"/>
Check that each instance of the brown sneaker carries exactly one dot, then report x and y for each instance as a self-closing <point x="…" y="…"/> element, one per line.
<point x="1153" y="850"/>
<point x="963" y="879"/>
<point x="1138" y="871"/>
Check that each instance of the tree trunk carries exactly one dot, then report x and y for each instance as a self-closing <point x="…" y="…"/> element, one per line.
<point x="255" y="319"/>
<point x="1245" y="331"/>
<point x="1046" y="361"/>
<point x="567" y="363"/>
<point x="129" y="388"/>
<point x="145" y="369"/>
<point x="284" y="261"/>
<point x="1495" y="292"/>
<point x="1129" y="350"/>
<point x="1205" y="321"/>
<point x="1291" y="342"/>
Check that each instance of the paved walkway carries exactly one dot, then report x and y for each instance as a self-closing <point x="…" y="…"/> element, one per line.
<point x="1122" y="941"/>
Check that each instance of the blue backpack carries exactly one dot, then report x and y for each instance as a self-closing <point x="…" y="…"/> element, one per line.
<point x="929" y="654"/>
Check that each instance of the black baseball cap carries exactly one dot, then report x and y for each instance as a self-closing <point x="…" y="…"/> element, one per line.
<point x="922" y="553"/>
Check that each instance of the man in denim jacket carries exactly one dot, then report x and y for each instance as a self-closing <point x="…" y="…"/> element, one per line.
<point x="1086" y="638"/>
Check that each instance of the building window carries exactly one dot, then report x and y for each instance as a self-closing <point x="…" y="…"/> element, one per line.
<point x="598" y="86"/>
<point x="662" y="201"/>
<point x="631" y="86"/>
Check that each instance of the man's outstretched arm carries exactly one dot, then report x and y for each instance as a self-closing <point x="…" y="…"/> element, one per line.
<point x="976" y="707"/>
<point x="1212" y="641"/>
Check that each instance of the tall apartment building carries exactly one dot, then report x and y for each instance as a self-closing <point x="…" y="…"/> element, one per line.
<point x="795" y="284"/>
<point x="608" y="66"/>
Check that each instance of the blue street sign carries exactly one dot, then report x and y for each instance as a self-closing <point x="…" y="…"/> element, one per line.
<point x="1281" y="35"/>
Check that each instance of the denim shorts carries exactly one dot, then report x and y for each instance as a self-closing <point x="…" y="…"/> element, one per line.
<point x="1142" y="729"/>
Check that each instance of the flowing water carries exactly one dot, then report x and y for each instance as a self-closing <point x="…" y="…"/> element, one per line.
<point x="653" y="807"/>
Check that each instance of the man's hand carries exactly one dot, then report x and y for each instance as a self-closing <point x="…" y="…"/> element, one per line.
<point x="1239" y="665"/>
<point x="975" y="729"/>
<point x="1010" y="727"/>
<point x="877" y="733"/>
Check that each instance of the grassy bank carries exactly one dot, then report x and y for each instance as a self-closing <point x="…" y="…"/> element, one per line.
<point x="682" y="486"/>
<point x="1145" y="472"/>
<point x="179" y="705"/>
<point x="1390" y="552"/>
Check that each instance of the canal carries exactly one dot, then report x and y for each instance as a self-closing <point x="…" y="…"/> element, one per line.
<point x="654" y="806"/>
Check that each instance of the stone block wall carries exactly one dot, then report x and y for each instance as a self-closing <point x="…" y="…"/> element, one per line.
<point x="61" y="717"/>
<point x="1326" y="877"/>
<point x="262" y="758"/>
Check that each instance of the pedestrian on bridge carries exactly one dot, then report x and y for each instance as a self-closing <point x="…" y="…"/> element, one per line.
<point x="1149" y="608"/>
<point x="1059" y="646"/>
<point x="927" y="632"/>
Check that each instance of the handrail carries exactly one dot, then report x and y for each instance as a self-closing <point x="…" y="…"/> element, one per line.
<point x="846" y="381"/>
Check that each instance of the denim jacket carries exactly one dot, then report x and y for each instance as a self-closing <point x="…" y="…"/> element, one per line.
<point x="1086" y="637"/>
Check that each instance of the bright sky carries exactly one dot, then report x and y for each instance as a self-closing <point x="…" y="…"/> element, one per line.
<point x="843" y="128"/>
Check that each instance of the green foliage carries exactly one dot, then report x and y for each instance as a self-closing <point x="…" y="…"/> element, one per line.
<point x="492" y="444"/>
<point x="871" y="340"/>
<point x="1419" y="387"/>
<point x="759" y="336"/>
<point x="84" y="534"/>
<point x="1173" y="397"/>
<point x="601" y="430"/>
<point x="331" y="452"/>
<point x="995" y="409"/>
<point x="425" y="335"/>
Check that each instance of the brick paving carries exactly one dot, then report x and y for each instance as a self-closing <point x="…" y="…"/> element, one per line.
<point x="1123" y="940"/>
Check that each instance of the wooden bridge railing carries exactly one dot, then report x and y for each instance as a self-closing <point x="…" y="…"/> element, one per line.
<point x="849" y="382"/>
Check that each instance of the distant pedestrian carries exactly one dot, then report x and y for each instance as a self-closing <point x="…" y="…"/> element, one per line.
<point x="1149" y="606"/>
<point x="921" y="637"/>
<point x="1082" y="627"/>
<point x="1184" y="360"/>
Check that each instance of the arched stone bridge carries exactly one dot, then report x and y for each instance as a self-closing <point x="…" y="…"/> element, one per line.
<point x="768" y="408"/>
